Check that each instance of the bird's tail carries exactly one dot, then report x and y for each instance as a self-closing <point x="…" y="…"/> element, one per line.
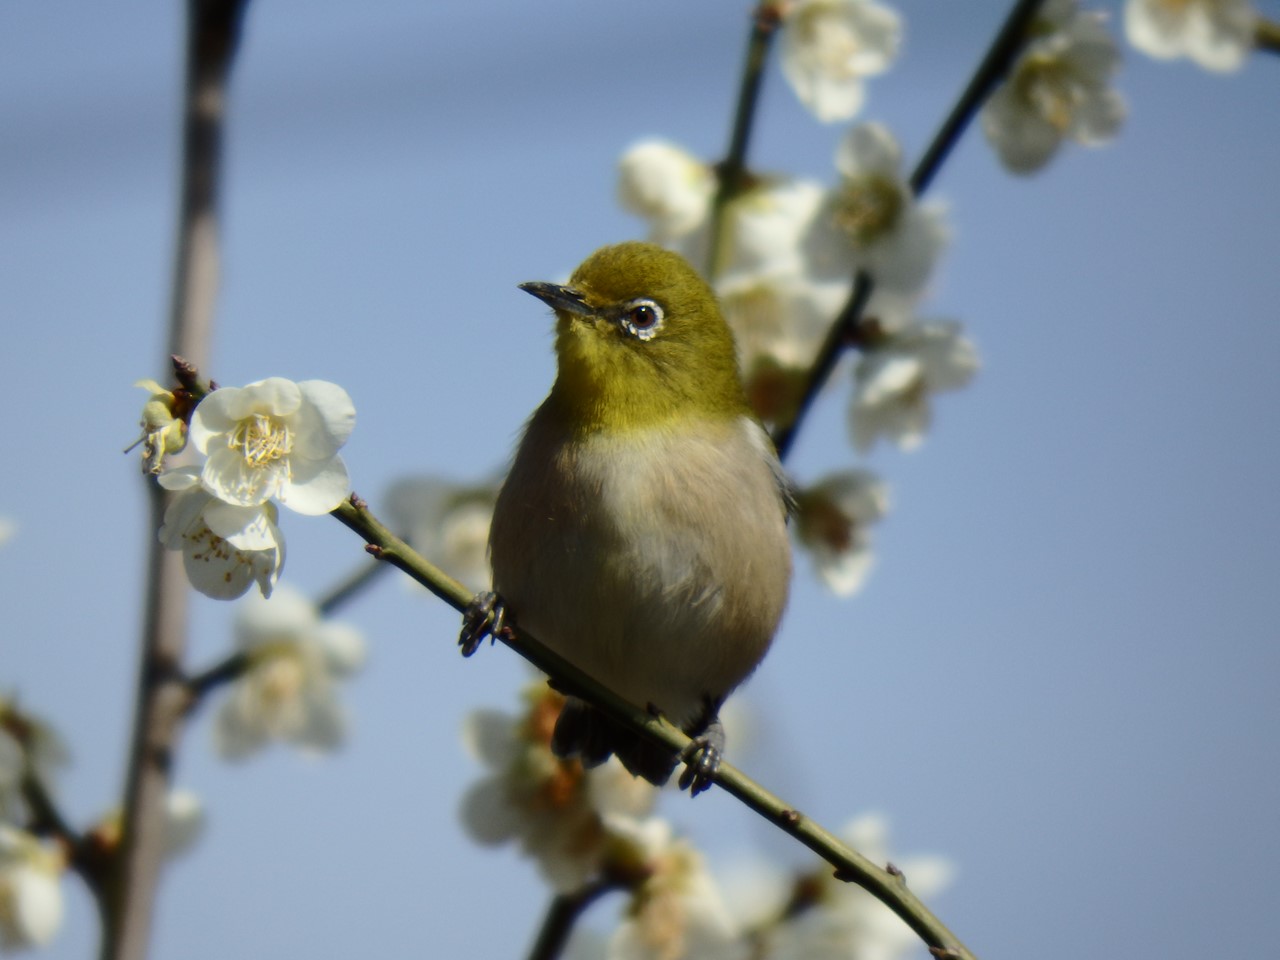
<point x="584" y="732"/>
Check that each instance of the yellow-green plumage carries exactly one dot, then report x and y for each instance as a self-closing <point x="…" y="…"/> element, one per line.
<point x="641" y="531"/>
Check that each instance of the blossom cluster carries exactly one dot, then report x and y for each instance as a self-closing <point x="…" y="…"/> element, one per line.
<point x="583" y="827"/>
<point x="33" y="858"/>
<point x="273" y="440"/>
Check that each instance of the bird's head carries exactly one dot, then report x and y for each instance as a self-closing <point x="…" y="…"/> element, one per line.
<point x="640" y="341"/>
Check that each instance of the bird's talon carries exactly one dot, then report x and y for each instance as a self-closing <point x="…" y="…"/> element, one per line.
<point x="484" y="617"/>
<point x="701" y="759"/>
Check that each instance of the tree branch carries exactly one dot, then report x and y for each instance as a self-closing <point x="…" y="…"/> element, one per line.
<point x="213" y="27"/>
<point x="886" y="886"/>
<point x="731" y="171"/>
<point x="562" y="914"/>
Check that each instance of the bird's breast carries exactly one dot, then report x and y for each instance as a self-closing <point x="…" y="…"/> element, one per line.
<point x="656" y="560"/>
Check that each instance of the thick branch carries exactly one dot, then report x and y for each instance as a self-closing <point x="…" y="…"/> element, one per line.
<point x="888" y="887"/>
<point x="212" y="31"/>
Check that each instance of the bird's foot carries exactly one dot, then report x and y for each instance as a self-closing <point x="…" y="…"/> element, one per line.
<point x="702" y="758"/>
<point x="485" y="616"/>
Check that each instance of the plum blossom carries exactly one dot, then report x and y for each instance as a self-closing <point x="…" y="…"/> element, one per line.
<point x="30" y="890"/>
<point x="1057" y="90"/>
<point x="275" y="438"/>
<point x="226" y="548"/>
<point x="895" y="379"/>
<point x="183" y="825"/>
<point x="829" y="47"/>
<point x="676" y="910"/>
<point x="872" y="220"/>
<point x="833" y="521"/>
<point x="289" y="689"/>
<point x="1216" y="34"/>
<point x="560" y="814"/>
<point x="667" y="186"/>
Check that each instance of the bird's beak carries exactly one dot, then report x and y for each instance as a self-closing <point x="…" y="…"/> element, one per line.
<point x="558" y="297"/>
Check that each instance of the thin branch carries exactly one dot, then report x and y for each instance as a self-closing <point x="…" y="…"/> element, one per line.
<point x="347" y="588"/>
<point x="213" y="27"/>
<point x="731" y="171"/>
<point x="562" y="914"/>
<point x="887" y="886"/>
<point x="995" y="64"/>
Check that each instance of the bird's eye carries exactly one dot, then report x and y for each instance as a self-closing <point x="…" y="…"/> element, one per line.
<point x="642" y="319"/>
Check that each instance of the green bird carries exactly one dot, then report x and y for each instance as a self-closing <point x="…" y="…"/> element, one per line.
<point x="641" y="531"/>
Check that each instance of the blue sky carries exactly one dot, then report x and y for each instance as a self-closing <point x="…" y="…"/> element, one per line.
<point x="1061" y="672"/>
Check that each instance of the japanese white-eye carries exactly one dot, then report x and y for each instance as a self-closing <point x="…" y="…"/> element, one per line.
<point x="641" y="532"/>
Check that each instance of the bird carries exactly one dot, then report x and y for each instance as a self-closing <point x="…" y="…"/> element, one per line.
<point x="641" y="531"/>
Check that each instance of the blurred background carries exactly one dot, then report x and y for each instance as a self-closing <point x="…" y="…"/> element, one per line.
<point x="1060" y="674"/>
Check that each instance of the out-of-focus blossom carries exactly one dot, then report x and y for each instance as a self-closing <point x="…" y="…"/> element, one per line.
<point x="667" y="186"/>
<point x="895" y="379"/>
<point x="289" y="691"/>
<point x="226" y="548"/>
<point x="164" y="432"/>
<point x="817" y="917"/>
<point x="27" y="743"/>
<point x="1216" y="34"/>
<point x="1058" y="89"/>
<point x="833" y="521"/>
<point x="275" y="438"/>
<point x="7" y="529"/>
<point x="872" y="220"/>
<point x="553" y="808"/>
<point x="30" y="890"/>
<point x="676" y="911"/>
<point x="829" y="47"/>
<point x="183" y="826"/>
<point x="446" y="522"/>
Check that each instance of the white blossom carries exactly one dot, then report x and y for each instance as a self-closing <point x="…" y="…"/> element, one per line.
<point x="667" y="186"/>
<point x="676" y="911"/>
<point x="872" y="220"/>
<point x="446" y="522"/>
<point x="226" y="548"/>
<point x="7" y="529"/>
<point x="30" y="890"/>
<point x="895" y="379"/>
<point x="289" y="692"/>
<point x="833" y="521"/>
<point x="1216" y="34"/>
<point x="553" y="808"/>
<point x="275" y="438"/>
<point x="183" y="824"/>
<point x="1057" y="90"/>
<point x="830" y="46"/>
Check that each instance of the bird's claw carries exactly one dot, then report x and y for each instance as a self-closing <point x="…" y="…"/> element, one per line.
<point x="485" y="616"/>
<point x="702" y="759"/>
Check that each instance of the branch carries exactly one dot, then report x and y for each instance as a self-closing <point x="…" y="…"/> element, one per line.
<point x="844" y="332"/>
<point x="213" y="27"/>
<point x="732" y="170"/>
<point x="886" y="886"/>
<point x="563" y="914"/>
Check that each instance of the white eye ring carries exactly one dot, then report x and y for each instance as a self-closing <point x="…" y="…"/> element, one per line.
<point x="642" y="318"/>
